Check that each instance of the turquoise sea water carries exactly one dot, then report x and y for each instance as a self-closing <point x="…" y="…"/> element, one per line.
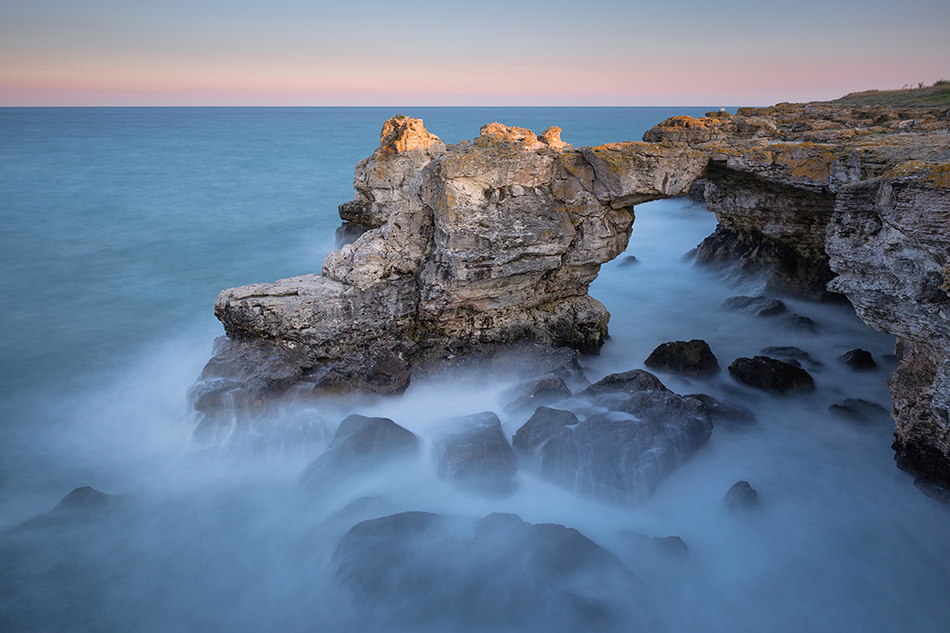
<point x="120" y="226"/>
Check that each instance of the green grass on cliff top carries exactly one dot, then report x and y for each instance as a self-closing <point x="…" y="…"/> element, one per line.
<point x="935" y="95"/>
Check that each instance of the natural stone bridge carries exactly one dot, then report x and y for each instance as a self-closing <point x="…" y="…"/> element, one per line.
<point x="473" y="247"/>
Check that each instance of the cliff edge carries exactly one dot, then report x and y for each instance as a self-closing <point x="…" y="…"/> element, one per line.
<point x="822" y="199"/>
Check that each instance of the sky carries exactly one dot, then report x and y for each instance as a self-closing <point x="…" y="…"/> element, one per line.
<point x="444" y="53"/>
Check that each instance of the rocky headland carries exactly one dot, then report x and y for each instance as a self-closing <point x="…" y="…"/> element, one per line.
<point x="467" y="250"/>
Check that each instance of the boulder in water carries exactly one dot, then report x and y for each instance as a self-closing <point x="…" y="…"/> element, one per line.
<point x="688" y="358"/>
<point x="533" y="393"/>
<point x="759" y="305"/>
<point x="858" y="360"/>
<point x="79" y="506"/>
<point x="421" y="567"/>
<point x="617" y="456"/>
<point x="799" y="323"/>
<point x="476" y="451"/>
<point x="359" y="444"/>
<point x="633" y="381"/>
<point x="741" y="496"/>
<point x="858" y="410"/>
<point x="726" y="412"/>
<point x="772" y="375"/>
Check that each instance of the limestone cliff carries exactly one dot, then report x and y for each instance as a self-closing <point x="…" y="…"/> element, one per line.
<point x="470" y="246"/>
<point x="858" y="197"/>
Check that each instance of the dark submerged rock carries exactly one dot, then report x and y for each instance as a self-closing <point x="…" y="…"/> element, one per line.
<point x="360" y="444"/>
<point x="759" y="305"/>
<point x="786" y="352"/>
<point x="690" y="358"/>
<point x="670" y="546"/>
<point x="633" y="381"/>
<point x="540" y="427"/>
<point x="797" y="322"/>
<point x="741" y="496"/>
<point x="536" y="392"/>
<point x="858" y="410"/>
<point x="621" y="457"/>
<point x="933" y="489"/>
<point x="476" y="449"/>
<point x="858" y="360"/>
<point x="629" y="260"/>
<point x="79" y="506"/>
<point x="769" y="374"/>
<point x="724" y="412"/>
<point x="418" y="566"/>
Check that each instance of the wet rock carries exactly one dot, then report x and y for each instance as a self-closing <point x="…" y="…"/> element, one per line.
<point x="858" y="410"/>
<point x="670" y="546"/>
<point x="799" y="323"/>
<point x="758" y="305"/>
<point x="359" y="445"/>
<point x="858" y="360"/>
<point x="741" y="496"/>
<point x="533" y="393"/>
<point x="476" y="450"/>
<point x="633" y="381"/>
<point x="688" y="358"/>
<point x="933" y="489"/>
<point x="629" y="260"/>
<point x="416" y="566"/>
<point x="724" y="412"/>
<point x="79" y="506"/>
<point x="786" y="351"/>
<point x="541" y="426"/>
<point x="617" y="456"/>
<point x="769" y="374"/>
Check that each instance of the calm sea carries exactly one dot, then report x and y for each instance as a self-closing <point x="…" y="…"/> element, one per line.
<point x="121" y="225"/>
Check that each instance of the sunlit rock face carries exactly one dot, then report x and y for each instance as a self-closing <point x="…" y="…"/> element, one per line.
<point x="821" y="199"/>
<point x="475" y="245"/>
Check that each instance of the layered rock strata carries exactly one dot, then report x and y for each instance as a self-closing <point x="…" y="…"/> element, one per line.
<point x="855" y="201"/>
<point x="473" y="245"/>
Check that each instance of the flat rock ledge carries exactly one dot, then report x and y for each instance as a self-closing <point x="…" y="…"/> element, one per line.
<point x="472" y="248"/>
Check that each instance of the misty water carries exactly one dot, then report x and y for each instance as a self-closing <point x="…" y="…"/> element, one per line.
<point x="121" y="225"/>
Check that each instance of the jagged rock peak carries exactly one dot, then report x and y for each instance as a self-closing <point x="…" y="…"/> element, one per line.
<point x="405" y="134"/>
<point x="524" y="138"/>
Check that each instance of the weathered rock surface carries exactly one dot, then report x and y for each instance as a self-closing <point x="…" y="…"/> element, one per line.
<point x="360" y="444"/>
<point x="689" y="358"/>
<point x="769" y="374"/>
<point x="623" y="453"/>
